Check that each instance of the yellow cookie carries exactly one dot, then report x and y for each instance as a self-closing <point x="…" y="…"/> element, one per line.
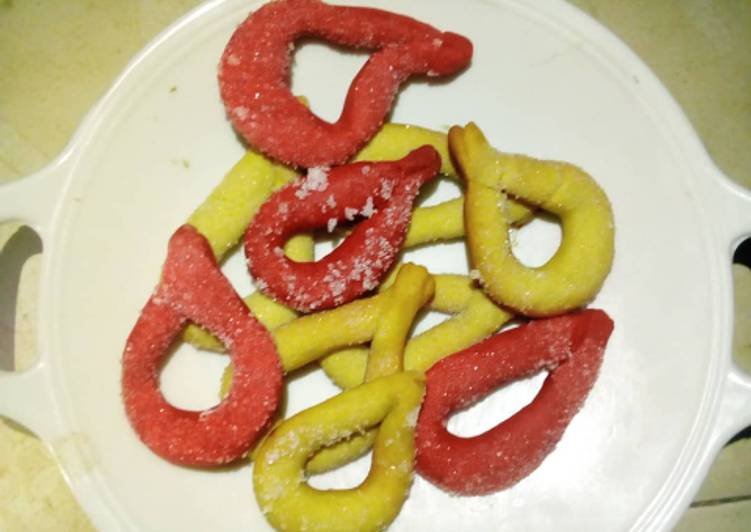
<point x="411" y="290"/>
<point x="279" y="481"/>
<point x="572" y="277"/>
<point x="475" y="318"/>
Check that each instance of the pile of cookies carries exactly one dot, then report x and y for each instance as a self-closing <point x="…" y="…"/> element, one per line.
<point x="353" y="310"/>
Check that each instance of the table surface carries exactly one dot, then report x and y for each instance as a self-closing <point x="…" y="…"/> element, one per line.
<point x="57" y="58"/>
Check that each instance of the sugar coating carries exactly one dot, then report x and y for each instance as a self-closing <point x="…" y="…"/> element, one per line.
<point x="575" y="273"/>
<point x="193" y="288"/>
<point x="279" y="480"/>
<point x="254" y="75"/>
<point x="368" y="209"/>
<point x="569" y="347"/>
<point x="315" y="180"/>
<point x="241" y="112"/>
<point x="359" y="263"/>
<point x="387" y="187"/>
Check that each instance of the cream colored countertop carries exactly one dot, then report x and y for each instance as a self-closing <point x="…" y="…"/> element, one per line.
<point x="57" y="58"/>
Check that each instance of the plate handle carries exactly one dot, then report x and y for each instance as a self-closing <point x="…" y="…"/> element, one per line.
<point x="735" y="408"/>
<point x="26" y="396"/>
<point x="32" y="200"/>
<point x="733" y="202"/>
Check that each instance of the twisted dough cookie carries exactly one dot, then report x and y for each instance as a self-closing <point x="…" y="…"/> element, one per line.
<point x="381" y="413"/>
<point x="569" y="347"/>
<point x="193" y="288"/>
<point x="381" y="193"/>
<point x="410" y="292"/>
<point x="575" y="273"/>
<point x="290" y="503"/>
<point x="254" y="76"/>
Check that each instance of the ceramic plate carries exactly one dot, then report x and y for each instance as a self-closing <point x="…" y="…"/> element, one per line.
<point x="545" y="81"/>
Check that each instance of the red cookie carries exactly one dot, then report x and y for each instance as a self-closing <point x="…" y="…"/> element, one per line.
<point x="254" y="75"/>
<point x="193" y="288"/>
<point x="570" y="347"/>
<point x="380" y="192"/>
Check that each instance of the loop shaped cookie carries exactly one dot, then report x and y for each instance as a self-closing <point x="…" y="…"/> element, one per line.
<point x="411" y="290"/>
<point x="575" y="273"/>
<point x="193" y="288"/>
<point x="279" y="481"/>
<point x="254" y="76"/>
<point x="381" y="192"/>
<point x="570" y="347"/>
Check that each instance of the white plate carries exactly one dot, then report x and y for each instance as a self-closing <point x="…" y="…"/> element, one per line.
<point x="545" y="81"/>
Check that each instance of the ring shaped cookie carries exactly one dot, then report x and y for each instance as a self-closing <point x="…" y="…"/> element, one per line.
<point x="290" y="503"/>
<point x="569" y="347"/>
<point x="193" y="288"/>
<point x="572" y="277"/>
<point x="411" y="290"/>
<point x="254" y="76"/>
<point x="380" y="192"/>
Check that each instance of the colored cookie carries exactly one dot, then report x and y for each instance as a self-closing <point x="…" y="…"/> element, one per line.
<point x="575" y="273"/>
<point x="380" y="193"/>
<point x="254" y="76"/>
<point x="193" y="288"/>
<point x="569" y="347"/>
<point x="279" y="482"/>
